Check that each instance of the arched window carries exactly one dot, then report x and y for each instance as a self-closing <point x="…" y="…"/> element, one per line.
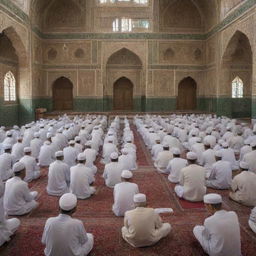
<point x="237" y="88"/>
<point x="9" y="87"/>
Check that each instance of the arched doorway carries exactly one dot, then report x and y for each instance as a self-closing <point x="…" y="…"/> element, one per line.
<point x="123" y="94"/>
<point x="62" y="94"/>
<point x="187" y="94"/>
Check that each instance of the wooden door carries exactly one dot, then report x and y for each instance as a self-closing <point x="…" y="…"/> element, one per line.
<point x="187" y="94"/>
<point x="62" y="94"/>
<point x="123" y="94"/>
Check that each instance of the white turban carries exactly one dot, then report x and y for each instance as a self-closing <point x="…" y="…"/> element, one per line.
<point x="212" y="199"/>
<point x="139" y="198"/>
<point x="126" y="174"/>
<point x="17" y="167"/>
<point x="68" y="202"/>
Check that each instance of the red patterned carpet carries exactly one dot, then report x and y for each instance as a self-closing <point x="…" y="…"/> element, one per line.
<point x="98" y="218"/>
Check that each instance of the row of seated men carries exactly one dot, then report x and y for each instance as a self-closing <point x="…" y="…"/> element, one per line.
<point x="125" y="200"/>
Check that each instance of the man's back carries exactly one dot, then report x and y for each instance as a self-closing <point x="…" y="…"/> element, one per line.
<point x="193" y="179"/>
<point x="250" y="158"/>
<point x="64" y="235"/>
<point x="223" y="234"/>
<point x="112" y="173"/>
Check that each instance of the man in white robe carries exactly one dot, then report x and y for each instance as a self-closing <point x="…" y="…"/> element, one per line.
<point x="80" y="179"/>
<point x="35" y="145"/>
<point x="112" y="171"/>
<point x="58" y="176"/>
<point x="78" y="144"/>
<point x="221" y="173"/>
<point x="208" y="156"/>
<point x="18" y="150"/>
<point x="108" y="148"/>
<point x="64" y="235"/>
<point x="244" y="150"/>
<point x="175" y="165"/>
<point x="124" y="193"/>
<point x="158" y="147"/>
<point x="7" y="226"/>
<point x="143" y="226"/>
<point x="32" y="168"/>
<point x="243" y="186"/>
<point x="90" y="155"/>
<point x="252" y="220"/>
<point x="228" y="154"/>
<point x="250" y="158"/>
<point x="163" y="159"/>
<point x="9" y="140"/>
<point x="70" y="154"/>
<point x="127" y="160"/>
<point x="18" y="200"/>
<point x="192" y="180"/>
<point x="6" y="162"/>
<point x="220" y="234"/>
<point x="46" y="154"/>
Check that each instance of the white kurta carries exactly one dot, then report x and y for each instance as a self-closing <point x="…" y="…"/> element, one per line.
<point x="80" y="179"/>
<point x="208" y="158"/>
<point x="220" y="234"/>
<point x="17" y="151"/>
<point x="46" y="155"/>
<point x="64" y="235"/>
<point x="108" y="148"/>
<point x="174" y="167"/>
<point x="128" y="162"/>
<point x="7" y="226"/>
<point x="250" y="158"/>
<point x="228" y="154"/>
<point x="90" y="155"/>
<point x="162" y="160"/>
<point x="35" y="145"/>
<point x="6" y="162"/>
<point x="32" y="168"/>
<point x="220" y="176"/>
<point x="70" y="155"/>
<point x="58" y="178"/>
<point x="112" y="174"/>
<point x="123" y="197"/>
<point x="18" y="200"/>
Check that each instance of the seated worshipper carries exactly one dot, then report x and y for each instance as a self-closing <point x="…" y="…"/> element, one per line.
<point x="244" y="150"/>
<point x="108" y="148"/>
<point x="58" y="176"/>
<point x="221" y="174"/>
<point x="143" y="226"/>
<point x="64" y="235"/>
<point x="192" y="180"/>
<point x="46" y="154"/>
<point x="198" y="148"/>
<point x="175" y="165"/>
<point x="18" y="200"/>
<point x="17" y="150"/>
<point x="220" y="234"/>
<point x="158" y="147"/>
<point x="80" y="179"/>
<point x="252" y="220"/>
<point x="35" y="145"/>
<point x="123" y="194"/>
<point x="243" y="186"/>
<point x="6" y="162"/>
<point x="112" y="171"/>
<point x="127" y="160"/>
<point x="7" y="226"/>
<point x="228" y="154"/>
<point x="9" y="140"/>
<point x="163" y="159"/>
<point x="70" y="154"/>
<point x="32" y="168"/>
<point x="250" y="158"/>
<point x="208" y="156"/>
<point x="90" y="155"/>
<point x="78" y="144"/>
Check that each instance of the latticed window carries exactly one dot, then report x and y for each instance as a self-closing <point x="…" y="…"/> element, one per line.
<point x="237" y="88"/>
<point x="120" y="1"/>
<point x="9" y="87"/>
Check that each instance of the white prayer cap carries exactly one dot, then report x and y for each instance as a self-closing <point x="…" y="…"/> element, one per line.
<point x="27" y="149"/>
<point x="68" y="202"/>
<point x="27" y="126"/>
<point x="139" y="198"/>
<point x="220" y="141"/>
<point x="225" y="145"/>
<point x="212" y="199"/>
<point x="19" y="137"/>
<point x="218" y="153"/>
<point x="59" y="154"/>
<point x="7" y="146"/>
<point x="176" y="151"/>
<point x="126" y="174"/>
<point x="72" y="142"/>
<point x="191" y="156"/>
<point x="36" y="135"/>
<point x="16" y="127"/>
<point x="77" y="138"/>
<point x="207" y="143"/>
<point x="166" y="145"/>
<point x="8" y="133"/>
<point x="60" y="130"/>
<point x="244" y="165"/>
<point x="198" y="140"/>
<point x="47" y="142"/>
<point x="81" y="157"/>
<point x="17" y="167"/>
<point x="253" y="144"/>
<point x="151" y="130"/>
<point x="88" y="143"/>
<point x="114" y="155"/>
<point x="41" y="126"/>
<point x="49" y="135"/>
<point x="124" y="151"/>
